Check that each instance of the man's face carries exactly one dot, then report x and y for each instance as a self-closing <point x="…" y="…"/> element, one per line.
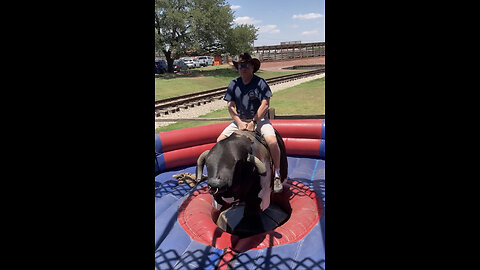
<point x="245" y="68"/>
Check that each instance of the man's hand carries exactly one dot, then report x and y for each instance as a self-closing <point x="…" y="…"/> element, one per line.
<point x="251" y="126"/>
<point x="246" y="126"/>
<point x="242" y="125"/>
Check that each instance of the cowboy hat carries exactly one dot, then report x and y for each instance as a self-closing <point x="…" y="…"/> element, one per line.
<point x="246" y="58"/>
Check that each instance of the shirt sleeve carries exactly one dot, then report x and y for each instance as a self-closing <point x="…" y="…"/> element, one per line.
<point x="265" y="89"/>
<point x="229" y="95"/>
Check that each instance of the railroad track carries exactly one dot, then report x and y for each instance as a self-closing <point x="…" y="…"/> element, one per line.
<point x="171" y="105"/>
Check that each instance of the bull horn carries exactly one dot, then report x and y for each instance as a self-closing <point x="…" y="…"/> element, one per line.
<point x="258" y="163"/>
<point x="200" y="163"/>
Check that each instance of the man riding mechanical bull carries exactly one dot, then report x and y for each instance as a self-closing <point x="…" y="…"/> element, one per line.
<point x="249" y="156"/>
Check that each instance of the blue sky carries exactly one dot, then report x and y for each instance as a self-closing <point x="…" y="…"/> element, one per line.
<point x="282" y="20"/>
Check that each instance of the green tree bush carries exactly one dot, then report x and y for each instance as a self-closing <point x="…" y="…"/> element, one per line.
<point x="198" y="26"/>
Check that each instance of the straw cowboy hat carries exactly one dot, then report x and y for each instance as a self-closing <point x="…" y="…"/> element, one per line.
<point x="246" y="58"/>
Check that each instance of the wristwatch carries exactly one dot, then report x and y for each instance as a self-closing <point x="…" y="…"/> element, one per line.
<point x="255" y="122"/>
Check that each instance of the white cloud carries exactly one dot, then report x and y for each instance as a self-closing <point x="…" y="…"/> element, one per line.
<point x="246" y="20"/>
<point x="271" y="28"/>
<point x="235" y="7"/>
<point x="310" y="33"/>
<point x="307" y="16"/>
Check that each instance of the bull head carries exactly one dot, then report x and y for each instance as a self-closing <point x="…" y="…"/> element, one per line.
<point x="213" y="182"/>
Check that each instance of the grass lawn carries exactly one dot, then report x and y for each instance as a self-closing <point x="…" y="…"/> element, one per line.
<point x="199" y="79"/>
<point x="305" y="98"/>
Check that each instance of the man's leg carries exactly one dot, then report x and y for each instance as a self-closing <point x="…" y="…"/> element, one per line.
<point x="268" y="132"/>
<point x="227" y="131"/>
<point x="275" y="152"/>
<point x="221" y="137"/>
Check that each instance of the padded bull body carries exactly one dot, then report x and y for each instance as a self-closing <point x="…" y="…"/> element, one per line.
<point x="240" y="168"/>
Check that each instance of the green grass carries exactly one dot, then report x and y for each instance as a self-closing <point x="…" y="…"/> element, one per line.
<point x="305" y="98"/>
<point x="200" y="79"/>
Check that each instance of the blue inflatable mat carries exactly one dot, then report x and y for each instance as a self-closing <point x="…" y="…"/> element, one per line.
<point x="174" y="249"/>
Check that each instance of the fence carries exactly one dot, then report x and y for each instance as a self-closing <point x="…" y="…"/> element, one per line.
<point x="289" y="51"/>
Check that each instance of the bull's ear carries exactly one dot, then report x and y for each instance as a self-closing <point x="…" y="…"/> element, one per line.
<point x="258" y="163"/>
<point x="200" y="163"/>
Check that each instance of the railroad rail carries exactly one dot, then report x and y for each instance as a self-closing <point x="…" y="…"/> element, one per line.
<point x="174" y="104"/>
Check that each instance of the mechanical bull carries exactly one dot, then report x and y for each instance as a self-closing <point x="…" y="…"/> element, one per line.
<point x="240" y="169"/>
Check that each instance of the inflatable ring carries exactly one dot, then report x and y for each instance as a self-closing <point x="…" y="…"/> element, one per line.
<point x="196" y="212"/>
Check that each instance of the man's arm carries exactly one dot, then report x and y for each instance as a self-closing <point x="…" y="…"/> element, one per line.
<point x="262" y="110"/>
<point x="233" y="113"/>
<point x="260" y="113"/>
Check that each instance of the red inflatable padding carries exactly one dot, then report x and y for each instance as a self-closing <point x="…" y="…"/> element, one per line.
<point x="306" y="213"/>
<point x="311" y="129"/>
<point x="195" y="217"/>
<point x="302" y="146"/>
<point x="188" y="137"/>
<point x="186" y="156"/>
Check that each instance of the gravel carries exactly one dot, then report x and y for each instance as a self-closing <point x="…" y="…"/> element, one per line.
<point x="220" y="104"/>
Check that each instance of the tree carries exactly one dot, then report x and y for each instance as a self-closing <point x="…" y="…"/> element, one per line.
<point x="172" y="20"/>
<point x="199" y="26"/>
<point x="241" y="39"/>
<point x="211" y="24"/>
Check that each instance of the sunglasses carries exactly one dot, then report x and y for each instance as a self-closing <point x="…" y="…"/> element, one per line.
<point x="243" y="65"/>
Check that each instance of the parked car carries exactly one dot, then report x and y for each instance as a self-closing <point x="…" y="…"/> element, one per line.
<point x="205" y="60"/>
<point x="210" y="61"/>
<point x="188" y="61"/>
<point x="179" y="65"/>
<point x="196" y="63"/>
<point x="191" y="62"/>
<point x="160" y="66"/>
<point x="202" y="60"/>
